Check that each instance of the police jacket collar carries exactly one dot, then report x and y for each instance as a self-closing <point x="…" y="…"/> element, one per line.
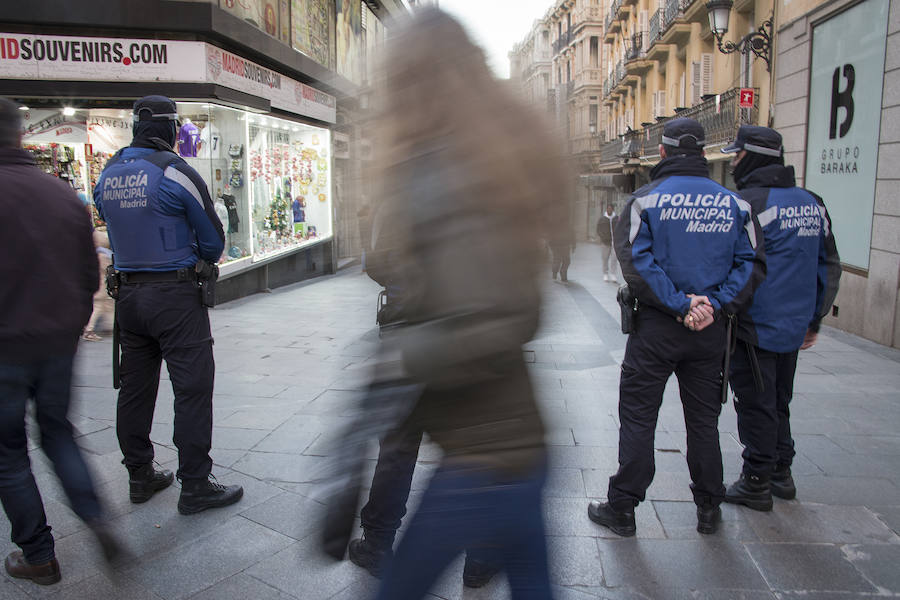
<point x="681" y="164"/>
<point x="769" y="176"/>
<point x="15" y="156"/>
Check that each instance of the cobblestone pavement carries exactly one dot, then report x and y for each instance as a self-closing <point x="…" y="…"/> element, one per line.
<point x="288" y="367"/>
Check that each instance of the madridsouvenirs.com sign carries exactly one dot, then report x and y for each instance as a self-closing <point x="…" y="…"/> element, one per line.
<point x="74" y="58"/>
<point x="844" y="121"/>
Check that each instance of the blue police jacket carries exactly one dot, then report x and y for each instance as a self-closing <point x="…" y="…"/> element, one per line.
<point x="158" y="211"/>
<point x="803" y="263"/>
<point x="683" y="233"/>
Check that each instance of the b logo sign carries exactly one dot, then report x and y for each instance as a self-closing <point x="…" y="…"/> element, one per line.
<point x="839" y="99"/>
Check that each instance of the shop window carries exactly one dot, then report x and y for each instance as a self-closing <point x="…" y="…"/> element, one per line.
<point x="289" y="182"/>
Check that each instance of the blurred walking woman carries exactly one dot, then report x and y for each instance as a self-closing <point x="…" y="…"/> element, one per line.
<point x="468" y="180"/>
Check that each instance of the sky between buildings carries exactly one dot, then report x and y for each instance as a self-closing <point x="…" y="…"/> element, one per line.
<point x="496" y="25"/>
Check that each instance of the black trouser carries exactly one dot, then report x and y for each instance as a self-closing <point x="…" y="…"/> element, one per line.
<point x="561" y="260"/>
<point x="659" y="347"/>
<point x="383" y="513"/>
<point x="165" y="321"/>
<point x="764" y="424"/>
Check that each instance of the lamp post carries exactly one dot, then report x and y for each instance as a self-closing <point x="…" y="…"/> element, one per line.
<point x="758" y="42"/>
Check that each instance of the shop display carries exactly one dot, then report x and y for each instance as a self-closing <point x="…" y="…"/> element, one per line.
<point x="275" y="201"/>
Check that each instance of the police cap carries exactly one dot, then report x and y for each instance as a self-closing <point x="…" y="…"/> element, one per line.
<point x="683" y="133"/>
<point x="155" y="108"/>
<point x="754" y="138"/>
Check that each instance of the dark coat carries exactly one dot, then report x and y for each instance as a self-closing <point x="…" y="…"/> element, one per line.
<point x="606" y="224"/>
<point x="48" y="266"/>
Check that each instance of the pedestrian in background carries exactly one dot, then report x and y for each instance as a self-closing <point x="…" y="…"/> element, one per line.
<point x="162" y="222"/>
<point x="803" y="272"/>
<point x="606" y="224"/>
<point x="562" y="244"/>
<point x="103" y="304"/>
<point x="469" y="172"/>
<point x="689" y="268"/>
<point x="45" y="303"/>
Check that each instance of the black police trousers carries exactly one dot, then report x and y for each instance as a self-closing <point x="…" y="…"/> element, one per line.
<point x="165" y="321"/>
<point x="763" y="416"/>
<point x="662" y="346"/>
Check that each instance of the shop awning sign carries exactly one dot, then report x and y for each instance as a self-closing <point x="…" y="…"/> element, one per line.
<point x="76" y="58"/>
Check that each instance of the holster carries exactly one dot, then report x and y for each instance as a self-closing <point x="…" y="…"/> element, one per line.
<point x="113" y="281"/>
<point x="207" y="275"/>
<point x="629" y="306"/>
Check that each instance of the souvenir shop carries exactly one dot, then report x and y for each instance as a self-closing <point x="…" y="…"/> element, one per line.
<point x="260" y="140"/>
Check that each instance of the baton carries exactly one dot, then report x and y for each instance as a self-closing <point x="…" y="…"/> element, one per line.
<point x="729" y="329"/>
<point x="115" y="347"/>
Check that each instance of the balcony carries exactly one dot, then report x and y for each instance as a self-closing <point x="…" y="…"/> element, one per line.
<point x="562" y="42"/>
<point x="720" y="121"/>
<point x="589" y="15"/>
<point x="588" y="76"/>
<point x="655" y="29"/>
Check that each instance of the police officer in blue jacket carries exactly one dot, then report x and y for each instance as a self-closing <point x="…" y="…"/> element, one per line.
<point x="689" y="253"/>
<point x="801" y="283"/>
<point x="162" y="224"/>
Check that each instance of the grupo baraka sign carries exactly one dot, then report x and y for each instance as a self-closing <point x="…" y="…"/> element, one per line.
<point x="76" y="58"/>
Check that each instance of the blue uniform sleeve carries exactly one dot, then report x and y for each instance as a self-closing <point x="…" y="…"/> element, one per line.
<point x="749" y="265"/>
<point x="829" y="269"/>
<point x="647" y="280"/>
<point x="183" y="188"/>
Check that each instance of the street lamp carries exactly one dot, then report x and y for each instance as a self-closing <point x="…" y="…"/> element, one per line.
<point x="758" y="42"/>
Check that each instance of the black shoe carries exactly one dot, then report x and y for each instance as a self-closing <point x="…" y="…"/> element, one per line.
<point x="199" y="494"/>
<point x="43" y="574"/>
<point x="371" y="556"/>
<point x="752" y="491"/>
<point x="621" y="523"/>
<point x="144" y="481"/>
<point x="478" y="573"/>
<point x="782" y="484"/>
<point x="708" y="519"/>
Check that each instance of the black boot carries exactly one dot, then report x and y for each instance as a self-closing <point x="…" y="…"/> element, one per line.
<point x="621" y="523"/>
<point x="144" y="481"/>
<point x="782" y="484"/>
<point x="478" y="573"/>
<point x="199" y="494"/>
<point x="370" y="554"/>
<point x="708" y="518"/>
<point x="752" y="491"/>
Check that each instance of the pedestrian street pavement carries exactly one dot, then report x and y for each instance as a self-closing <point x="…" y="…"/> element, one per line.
<point x="289" y="368"/>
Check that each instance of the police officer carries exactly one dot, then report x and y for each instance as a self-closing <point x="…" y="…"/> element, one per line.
<point x="162" y="223"/>
<point x="688" y="251"/>
<point x="802" y="281"/>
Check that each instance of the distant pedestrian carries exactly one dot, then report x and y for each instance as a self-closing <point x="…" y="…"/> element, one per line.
<point x="166" y="239"/>
<point x="562" y="245"/>
<point x="606" y="224"/>
<point x="45" y="304"/>
<point x="803" y="272"/>
<point x="689" y="268"/>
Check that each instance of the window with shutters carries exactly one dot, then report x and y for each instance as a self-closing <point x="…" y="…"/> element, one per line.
<point x="659" y="101"/>
<point x="592" y="116"/>
<point x="681" y="90"/>
<point x="706" y="73"/>
<point x="654" y="109"/>
<point x="644" y="20"/>
<point x="696" y="83"/>
<point x="595" y="51"/>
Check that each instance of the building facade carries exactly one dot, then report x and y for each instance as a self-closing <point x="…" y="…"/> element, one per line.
<point x="837" y="103"/>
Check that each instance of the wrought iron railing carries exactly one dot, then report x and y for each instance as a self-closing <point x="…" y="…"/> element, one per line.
<point x="634" y="46"/>
<point x="673" y="8"/>
<point x="655" y="29"/>
<point x="720" y="117"/>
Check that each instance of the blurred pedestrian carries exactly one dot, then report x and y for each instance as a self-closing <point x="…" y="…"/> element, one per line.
<point x="103" y="304"/>
<point x="467" y="172"/>
<point x="45" y="304"/>
<point x="690" y="266"/>
<point x="803" y="272"/>
<point x="605" y="226"/>
<point x="166" y="239"/>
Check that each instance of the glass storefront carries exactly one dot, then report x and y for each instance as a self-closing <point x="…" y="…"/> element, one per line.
<point x="270" y="178"/>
